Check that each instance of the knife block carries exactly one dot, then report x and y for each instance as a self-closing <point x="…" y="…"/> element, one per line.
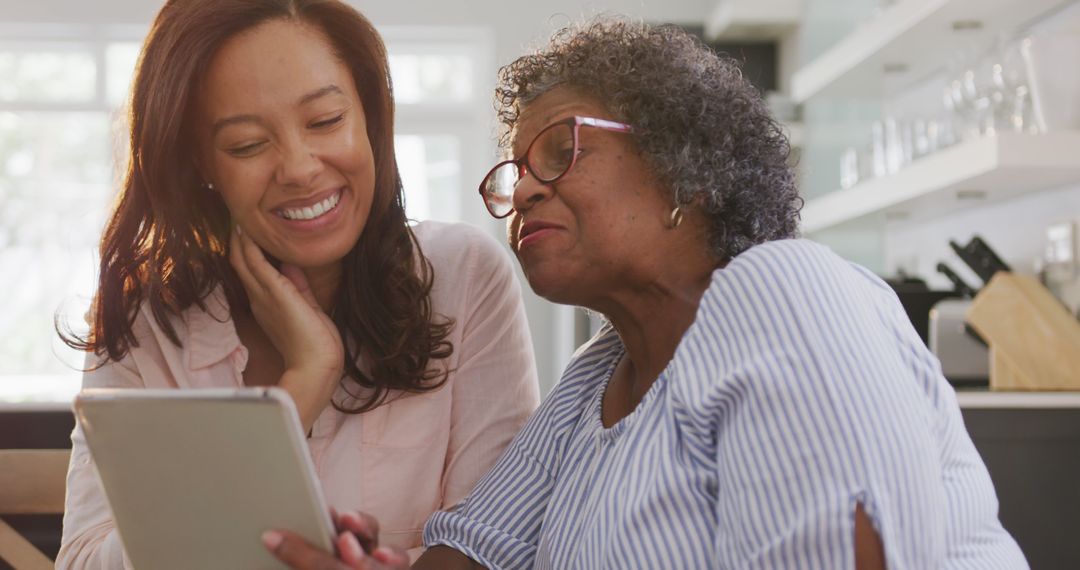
<point x="1034" y="340"/>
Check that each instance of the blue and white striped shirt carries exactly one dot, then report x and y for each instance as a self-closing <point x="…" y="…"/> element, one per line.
<point x="800" y="390"/>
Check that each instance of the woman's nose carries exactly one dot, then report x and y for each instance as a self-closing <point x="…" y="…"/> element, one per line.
<point x="529" y="191"/>
<point x="299" y="166"/>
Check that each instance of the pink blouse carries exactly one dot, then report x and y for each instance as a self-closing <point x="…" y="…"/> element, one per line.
<point x="401" y="461"/>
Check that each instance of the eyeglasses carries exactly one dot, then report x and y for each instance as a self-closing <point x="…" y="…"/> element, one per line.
<point x="549" y="157"/>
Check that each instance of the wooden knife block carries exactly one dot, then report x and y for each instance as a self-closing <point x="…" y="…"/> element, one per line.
<point x="1034" y="340"/>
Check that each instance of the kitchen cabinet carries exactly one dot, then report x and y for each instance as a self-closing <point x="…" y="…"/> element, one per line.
<point x="1030" y="442"/>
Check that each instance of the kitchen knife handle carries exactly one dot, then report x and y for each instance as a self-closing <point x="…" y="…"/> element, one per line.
<point x="959" y="285"/>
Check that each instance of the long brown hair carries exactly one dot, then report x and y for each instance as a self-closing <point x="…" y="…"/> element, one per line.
<point x="166" y="242"/>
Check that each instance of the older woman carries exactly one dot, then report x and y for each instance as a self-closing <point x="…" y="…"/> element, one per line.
<point x="755" y="401"/>
<point x="405" y="347"/>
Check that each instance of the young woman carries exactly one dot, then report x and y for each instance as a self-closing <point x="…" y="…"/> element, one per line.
<point x="260" y="239"/>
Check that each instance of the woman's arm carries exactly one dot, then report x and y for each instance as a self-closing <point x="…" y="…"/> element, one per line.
<point x="823" y="473"/>
<point x="90" y="539"/>
<point x="869" y="552"/>
<point x="495" y="387"/>
<point x="827" y="439"/>
<point x="445" y="558"/>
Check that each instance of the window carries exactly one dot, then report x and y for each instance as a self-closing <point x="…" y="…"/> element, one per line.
<point x="58" y="150"/>
<point x="430" y="168"/>
<point x="61" y="146"/>
<point x="443" y="143"/>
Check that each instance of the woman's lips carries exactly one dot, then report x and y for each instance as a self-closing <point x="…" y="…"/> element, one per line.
<point x="533" y="232"/>
<point x="311" y="208"/>
<point x="323" y="220"/>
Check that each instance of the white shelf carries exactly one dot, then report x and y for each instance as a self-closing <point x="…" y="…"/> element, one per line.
<point x="910" y="41"/>
<point x="968" y="175"/>
<point x="752" y="19"/>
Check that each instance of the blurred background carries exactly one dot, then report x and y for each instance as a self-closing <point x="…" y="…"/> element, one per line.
<point x="913" y="122"/>
<point x="66" y="67"/>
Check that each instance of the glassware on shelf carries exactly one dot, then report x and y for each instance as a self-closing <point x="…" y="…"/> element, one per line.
<point x="1053" y="97"/>
<point x="894" y="152"/>
<point x="991" y="92"/>
<point x="907" y="143"/>
<point x="920" y="139"/>
<point x="866" y="162"/>
<point x="1011" y="76"/>
<point x="879" y="155"/>
<point x="1017" y="86"/>
<point x="849" y="168"/>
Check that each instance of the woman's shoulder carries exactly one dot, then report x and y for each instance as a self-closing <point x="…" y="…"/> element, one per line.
<point x="792" y="317"/>
<point x="587" y="372"/>
<point x="795" y="264"/>
<point x="463" y="258"/>
<point x="445" y="242"/>
<point x="791" y="283"/>
<point x="205" y="333"/>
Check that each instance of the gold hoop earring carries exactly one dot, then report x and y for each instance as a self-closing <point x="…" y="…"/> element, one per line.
<point x="676" y="218"/>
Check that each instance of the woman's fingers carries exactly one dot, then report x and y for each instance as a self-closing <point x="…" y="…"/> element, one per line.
<point x="365" y="527"/>
<point x="259" y="277"/>
<point x="391" y="557"/>
<point x="298" y="554"/>
<point x="350" y="550"/>
<point x="295" y="275"/>
<point x="237" y="259"/>
<point x="265" y="274"/>
<point x="256" y="271"/>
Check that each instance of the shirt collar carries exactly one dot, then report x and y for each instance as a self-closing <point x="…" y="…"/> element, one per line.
<point x="211" y="333"/>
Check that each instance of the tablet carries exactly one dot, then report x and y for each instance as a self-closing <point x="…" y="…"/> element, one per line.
<point x="194" y="477"/>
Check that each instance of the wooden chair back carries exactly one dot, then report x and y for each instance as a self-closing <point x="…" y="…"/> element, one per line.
<point x="32" y="481"/>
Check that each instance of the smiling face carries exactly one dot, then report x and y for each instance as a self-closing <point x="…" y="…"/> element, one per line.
<point x="283" y="137"/>
<point x="599" y="228"/>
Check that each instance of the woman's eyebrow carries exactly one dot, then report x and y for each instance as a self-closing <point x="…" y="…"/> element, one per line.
<point x="321" y="92"/>
<point x="234" y="119"/>
<point x="222" y="123"/>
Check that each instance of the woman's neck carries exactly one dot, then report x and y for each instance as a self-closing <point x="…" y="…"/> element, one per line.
<point x="651" y="321"/>
<point x="324" y="282"/>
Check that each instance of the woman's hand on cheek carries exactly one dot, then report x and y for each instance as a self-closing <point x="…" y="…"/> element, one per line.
<point x="285" y="308"/>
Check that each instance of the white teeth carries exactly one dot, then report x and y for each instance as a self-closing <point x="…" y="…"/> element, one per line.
<point x="312" y="212"/>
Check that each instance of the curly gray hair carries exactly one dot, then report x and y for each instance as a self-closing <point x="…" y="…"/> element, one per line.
<point x="702" y="128"/>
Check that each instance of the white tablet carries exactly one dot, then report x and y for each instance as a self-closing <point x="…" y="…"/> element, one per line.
<point x="194" y="477"/>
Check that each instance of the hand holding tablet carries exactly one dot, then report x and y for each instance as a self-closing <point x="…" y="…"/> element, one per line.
<point x="195" y="477"/>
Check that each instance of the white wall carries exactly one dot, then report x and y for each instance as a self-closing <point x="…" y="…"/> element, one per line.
<point x="1016" y="229"/>
<point x="514" y="27"/>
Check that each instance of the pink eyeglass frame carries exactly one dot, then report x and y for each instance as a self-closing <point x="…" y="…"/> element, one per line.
<point x="522" y="163"/>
